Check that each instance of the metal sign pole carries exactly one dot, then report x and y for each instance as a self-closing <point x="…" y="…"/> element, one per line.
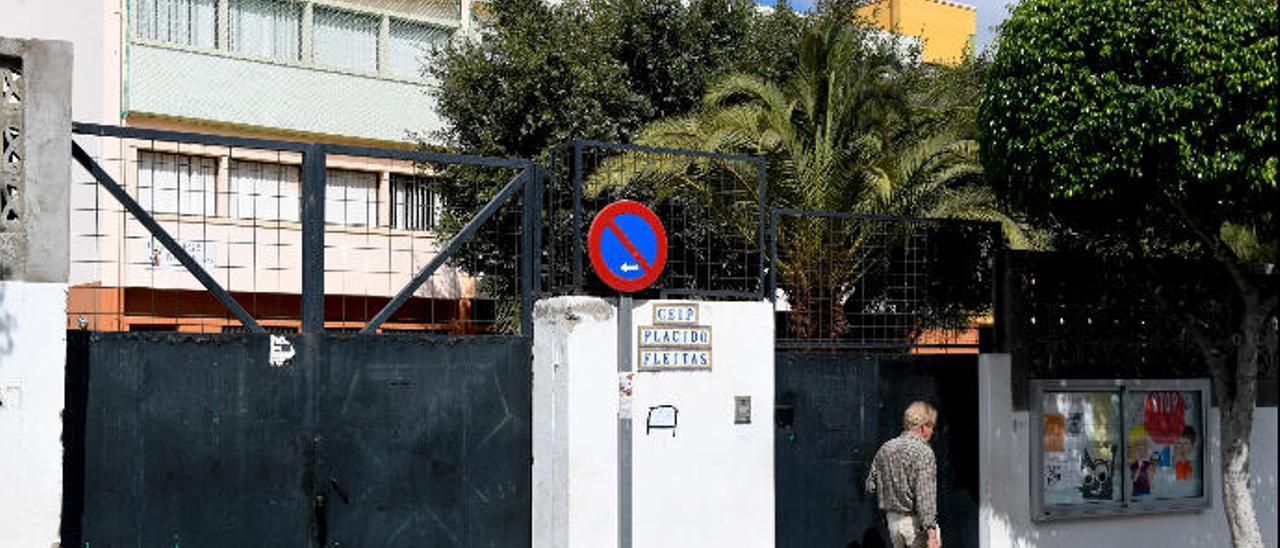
<point x="624" y="421"/>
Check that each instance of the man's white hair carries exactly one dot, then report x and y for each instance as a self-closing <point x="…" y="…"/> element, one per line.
<point x="919" y="413"/>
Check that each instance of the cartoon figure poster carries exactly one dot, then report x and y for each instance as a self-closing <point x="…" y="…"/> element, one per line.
<point x="1164" y="449"/>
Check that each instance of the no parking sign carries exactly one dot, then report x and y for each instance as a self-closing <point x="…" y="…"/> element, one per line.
<point x="627" y="245"/>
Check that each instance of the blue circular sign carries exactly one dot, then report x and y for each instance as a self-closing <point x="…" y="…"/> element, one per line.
<point x="627" y="245"/>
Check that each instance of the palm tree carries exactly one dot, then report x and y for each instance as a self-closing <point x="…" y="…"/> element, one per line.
<point x="851" y="131"/>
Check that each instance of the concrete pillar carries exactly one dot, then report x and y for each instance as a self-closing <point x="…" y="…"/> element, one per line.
<point x="35" y="237"/>
<point x="706" y="482"/>
<point x="35" y="175"/>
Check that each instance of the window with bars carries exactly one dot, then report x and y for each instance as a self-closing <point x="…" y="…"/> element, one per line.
<point x="265" y="28"/>
<point x="184" y="22"/>
<point x="345" y="39"/>
<point x="177" y="183"/>
<point x="351" y="197"/>
<point x="266" y="191"/>
<point x="412" y="203"/>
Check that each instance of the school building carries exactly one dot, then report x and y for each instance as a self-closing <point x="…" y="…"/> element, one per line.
<point x="332" y="71"/>
<point x="948" y="30"/>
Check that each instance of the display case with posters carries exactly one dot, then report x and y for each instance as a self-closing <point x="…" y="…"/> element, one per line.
<point x="1107" y="447"/>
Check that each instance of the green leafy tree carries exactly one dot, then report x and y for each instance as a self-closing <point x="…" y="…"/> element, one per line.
<point x="856" y="128"/>
<point x="547" y="72"/>
<point x="1159" y="119"/>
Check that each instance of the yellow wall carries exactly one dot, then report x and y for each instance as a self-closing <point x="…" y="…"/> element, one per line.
<point x="947" y="28"/>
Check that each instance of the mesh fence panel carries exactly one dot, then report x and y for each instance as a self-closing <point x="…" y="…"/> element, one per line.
<point x="237" y="212"/>
<point x="858" y="281"/>
<point x="711" y="206"/>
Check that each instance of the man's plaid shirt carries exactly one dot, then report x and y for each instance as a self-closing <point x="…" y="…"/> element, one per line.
<point x="904" y="477"/>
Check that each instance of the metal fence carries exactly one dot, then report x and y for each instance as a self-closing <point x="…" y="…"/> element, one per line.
<point x="1083" y="317"/>
<point x="846" y="280"/>
<point x="712" y="206"/>
<point x="200" y="233"/>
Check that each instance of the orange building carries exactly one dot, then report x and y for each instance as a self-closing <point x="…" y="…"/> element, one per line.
<point x="947" y="30"/>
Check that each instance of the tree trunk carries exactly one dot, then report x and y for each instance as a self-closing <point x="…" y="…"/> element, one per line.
<point x="1236" y="407"/>
<point x="1237" y="502"/>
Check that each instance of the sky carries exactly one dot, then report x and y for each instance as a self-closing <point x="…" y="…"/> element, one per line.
<point x="990" y="14"/>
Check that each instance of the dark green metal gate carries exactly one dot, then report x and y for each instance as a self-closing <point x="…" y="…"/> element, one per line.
<point x="834" y="409"/>
<point x="195" y="440"/>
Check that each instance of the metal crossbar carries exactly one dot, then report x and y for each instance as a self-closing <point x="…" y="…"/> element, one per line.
<point x="293" y="146"/>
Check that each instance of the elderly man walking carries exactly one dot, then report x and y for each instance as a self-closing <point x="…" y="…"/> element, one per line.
<point x="904" y="479"/>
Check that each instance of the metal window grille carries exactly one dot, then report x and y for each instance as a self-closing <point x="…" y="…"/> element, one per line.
<point x="412" y="203"/>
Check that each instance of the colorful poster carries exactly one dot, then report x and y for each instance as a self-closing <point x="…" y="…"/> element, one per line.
<point x="1164" y="449"/>
<point x="1081" y="442"/>
<point x="1054" y="432"/>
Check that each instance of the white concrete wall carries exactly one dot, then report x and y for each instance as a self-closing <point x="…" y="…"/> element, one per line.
<point x="32" y="358"/>
<point x="1005" y="489"/>
<point x="711" y="484"/>
<point x="575" y="403"/>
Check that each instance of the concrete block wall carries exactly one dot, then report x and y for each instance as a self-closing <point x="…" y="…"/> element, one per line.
<point x="35" y="245"/>
<point x="1004" y="457"/>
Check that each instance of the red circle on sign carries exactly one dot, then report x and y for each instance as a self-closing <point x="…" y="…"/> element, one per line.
<point x="604" y="221"/>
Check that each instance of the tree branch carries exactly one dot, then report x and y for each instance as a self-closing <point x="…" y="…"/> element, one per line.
<point x="1217" y="247"/>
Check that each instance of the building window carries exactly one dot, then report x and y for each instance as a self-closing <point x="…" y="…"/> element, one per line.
<point x="266" y="28"/>
<point x="176" y="183"/>
<point x="185" y="22"/>
<point x="408" y="41"/>
<point x="351" y="197"/>
<point x="265" y="191"/>
<point x="412" y="203"/>
<point x="346" y="40"/>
